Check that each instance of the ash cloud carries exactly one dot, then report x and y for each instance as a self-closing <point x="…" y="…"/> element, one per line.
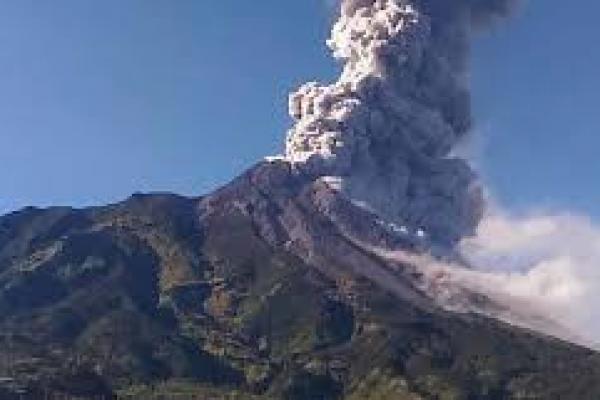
<point x="540" y="271"/>
<point x="388" y="131"/>
<point x="388" y="125"/>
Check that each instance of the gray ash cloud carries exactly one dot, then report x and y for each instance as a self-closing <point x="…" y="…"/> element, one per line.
<point x="388" y="126"/>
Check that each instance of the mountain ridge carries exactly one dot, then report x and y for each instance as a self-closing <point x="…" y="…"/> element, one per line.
<point x="252" y="290"/>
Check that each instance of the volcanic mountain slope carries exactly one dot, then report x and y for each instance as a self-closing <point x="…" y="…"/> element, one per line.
<point x="260" y="290"/>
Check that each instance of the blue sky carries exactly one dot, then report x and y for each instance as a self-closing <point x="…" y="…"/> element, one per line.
<point x="99" y="99"/>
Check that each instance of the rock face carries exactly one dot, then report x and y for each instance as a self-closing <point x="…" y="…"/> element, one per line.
<point x="264" y="289"/>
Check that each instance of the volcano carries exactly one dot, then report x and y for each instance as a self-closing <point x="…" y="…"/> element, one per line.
<point x="310" y="276"/>
<point x="265" y="288"/>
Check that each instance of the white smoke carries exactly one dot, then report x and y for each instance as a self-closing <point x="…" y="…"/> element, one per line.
<point x="538" y="271"/>
<point x="550" y="262"/>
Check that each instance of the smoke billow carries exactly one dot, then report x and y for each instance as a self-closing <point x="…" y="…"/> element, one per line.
<point x="389" y="124"/>
<point x="550" y="262"/>
<point x="387" y="131"/>
<point x="538" y="271"/>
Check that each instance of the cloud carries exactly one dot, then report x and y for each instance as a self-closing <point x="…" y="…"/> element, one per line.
<point x="551" y="262"/>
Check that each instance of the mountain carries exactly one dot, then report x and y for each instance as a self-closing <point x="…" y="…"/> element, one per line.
<point x="267" y="289"/>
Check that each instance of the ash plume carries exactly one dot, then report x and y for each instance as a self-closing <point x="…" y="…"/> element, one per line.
<point x="539" y="270"/>
<point x="387" y="134"/>
<point x="387" y="127"/>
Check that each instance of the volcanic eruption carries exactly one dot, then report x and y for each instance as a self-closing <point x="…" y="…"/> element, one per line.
<point x="388" y="126"/>
<point x="362" y="264"/>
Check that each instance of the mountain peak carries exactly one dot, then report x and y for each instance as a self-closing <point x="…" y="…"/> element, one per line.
<point x="267" y="287"/>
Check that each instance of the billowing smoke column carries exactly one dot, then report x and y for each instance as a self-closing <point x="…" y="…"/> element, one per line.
<point x="389" y="125"/>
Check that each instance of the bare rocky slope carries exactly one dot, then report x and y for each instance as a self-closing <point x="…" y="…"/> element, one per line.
<point x="262" y="289"/>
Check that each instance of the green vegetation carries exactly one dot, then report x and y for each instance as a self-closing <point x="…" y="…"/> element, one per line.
<point x="145" y="298"/>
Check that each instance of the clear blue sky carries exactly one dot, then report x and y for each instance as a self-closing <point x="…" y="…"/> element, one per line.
<point x="99" y="99"/>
